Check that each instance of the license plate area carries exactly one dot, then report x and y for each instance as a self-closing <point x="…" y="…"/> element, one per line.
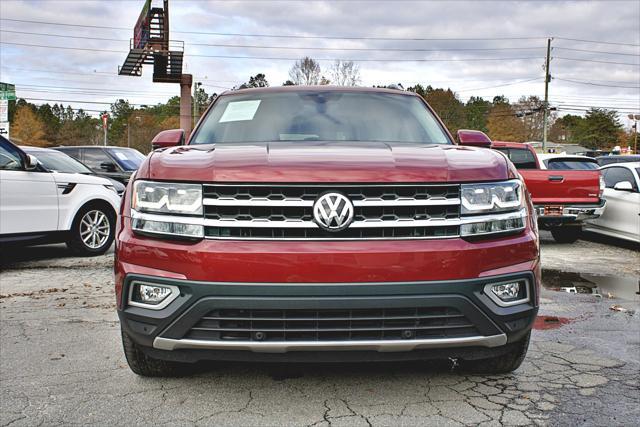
<point x="553" y="210"/>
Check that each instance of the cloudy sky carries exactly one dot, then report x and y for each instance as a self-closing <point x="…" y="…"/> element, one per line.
<point x="481" y="48"/>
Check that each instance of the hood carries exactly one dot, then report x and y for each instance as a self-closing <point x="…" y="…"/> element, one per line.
<point x="316" y="161"/>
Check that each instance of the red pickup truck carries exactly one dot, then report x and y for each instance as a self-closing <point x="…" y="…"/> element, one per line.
<point x="325" y="224"/>
<point x="564" y="195"/>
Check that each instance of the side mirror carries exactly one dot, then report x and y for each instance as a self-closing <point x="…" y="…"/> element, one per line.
<point x="168" y="138"/>
<point x="473" y="138"/>
<point x="108" y="166"/>
<point x="31" y="163"/>
<point x="623" y="186"/>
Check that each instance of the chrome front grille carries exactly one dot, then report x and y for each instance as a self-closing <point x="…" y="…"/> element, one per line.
<point x="286" y="211"/>
<point x="332" y="324"/>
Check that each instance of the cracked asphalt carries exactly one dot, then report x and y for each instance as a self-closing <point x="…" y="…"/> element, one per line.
<point x="61" y="361"/>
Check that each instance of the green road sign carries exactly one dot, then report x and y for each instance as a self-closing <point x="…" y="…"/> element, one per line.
<point x="7" y="91"/>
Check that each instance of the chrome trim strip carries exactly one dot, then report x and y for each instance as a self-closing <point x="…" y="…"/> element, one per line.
<point x="365" y="345"/>
<point x="263" y="202"/>
<point x="310" y="224"/>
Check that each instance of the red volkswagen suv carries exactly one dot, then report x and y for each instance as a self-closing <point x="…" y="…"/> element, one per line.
<point x="325" y="224"/>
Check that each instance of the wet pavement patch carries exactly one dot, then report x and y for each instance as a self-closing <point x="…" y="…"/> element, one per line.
<point x="601" y="286"/>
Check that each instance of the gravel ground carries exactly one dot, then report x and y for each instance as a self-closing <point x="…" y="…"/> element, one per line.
<point x="61" y="361"/>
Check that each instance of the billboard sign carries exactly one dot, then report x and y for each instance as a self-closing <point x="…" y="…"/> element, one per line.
<point x="7" y="91"/>
<point x="4" y="110"/>
<point x="142" y="30"/>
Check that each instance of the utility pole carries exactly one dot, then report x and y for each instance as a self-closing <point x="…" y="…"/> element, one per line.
<point x="196" y="109"/>
<point x="547" y="79"/>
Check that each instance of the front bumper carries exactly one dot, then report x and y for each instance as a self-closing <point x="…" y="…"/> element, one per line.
<point x="169" y="333"/>
<point x="550" y="214"/>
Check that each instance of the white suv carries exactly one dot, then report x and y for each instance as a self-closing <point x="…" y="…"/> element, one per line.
<point x="37" y="206"/>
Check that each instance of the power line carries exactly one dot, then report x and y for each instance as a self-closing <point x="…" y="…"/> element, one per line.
<point x="594" y="84"/>
<point x="594" y="60"/>
<point x="595" y="51"/>
<point x="597" y="41"/>
<point x="321" y="48"/>
<point x="502" y="85"/>
<point x="270" y="58"/>
<point x="285" y="36"/>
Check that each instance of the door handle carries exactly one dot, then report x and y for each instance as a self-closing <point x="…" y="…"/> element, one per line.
<point x="556" y="178"/>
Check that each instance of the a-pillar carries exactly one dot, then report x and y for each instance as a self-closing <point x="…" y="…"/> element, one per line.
<point x="185" y="104"/>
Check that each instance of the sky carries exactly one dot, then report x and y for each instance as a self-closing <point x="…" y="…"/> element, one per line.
<point x="476" y="48"/>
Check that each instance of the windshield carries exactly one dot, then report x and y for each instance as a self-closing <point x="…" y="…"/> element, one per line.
<point x="320" y="116"/>
<point x="128" y="158"/>
<point x="521" y="157"/>
<point x="572" y="164"/>
<point x="55" y="161"/>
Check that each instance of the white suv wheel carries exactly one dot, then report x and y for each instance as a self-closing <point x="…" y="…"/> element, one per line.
<point x="94" y="229"/>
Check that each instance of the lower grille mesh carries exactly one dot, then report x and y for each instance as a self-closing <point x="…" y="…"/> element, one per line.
<point x="332" y="324"/>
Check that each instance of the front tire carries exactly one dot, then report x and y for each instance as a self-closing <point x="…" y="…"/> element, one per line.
<point x="502" y="364"/>
<point x="146" y="366"/>
<point x="568" y="234"/>
<point x="93" y="230"/>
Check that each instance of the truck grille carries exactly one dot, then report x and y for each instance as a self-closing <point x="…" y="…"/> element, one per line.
<point x="332" y="324"/>
<point x="286" y="212"/>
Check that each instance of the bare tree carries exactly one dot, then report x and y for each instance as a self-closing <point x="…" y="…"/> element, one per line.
<point x="345" y="73"/>
<point x="305" y="71"/>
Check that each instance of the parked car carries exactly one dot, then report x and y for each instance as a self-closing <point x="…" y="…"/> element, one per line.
<point x="567" y="162"/>
<point x="325" y="223"/>
<point x="108" y="161"/>
<point x="38" y="206"/>
<point x="56" y="161"/>
<point x="564" y="195"/>
<point x="621" y="219"/>
<point x="607" y="160"/>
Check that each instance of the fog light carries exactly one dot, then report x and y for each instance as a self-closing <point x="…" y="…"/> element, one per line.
<point x="151" y="295"/>
<point x="506" y="291"/>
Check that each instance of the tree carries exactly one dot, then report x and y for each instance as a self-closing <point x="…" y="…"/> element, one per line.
<point x="345" y="73"/>
<point x="531" y="110"/>
<point x="445" y="103"/>
<point x="288" y="83"/>
<point x="565" y="129"/>
<point x="477" y="110"/>
<point x="27" y="128"/>
<point x="305" y="71"/>
<point x="503" y="123"/>
<point x="599" y="129"/>
<point x="259" y="80"/>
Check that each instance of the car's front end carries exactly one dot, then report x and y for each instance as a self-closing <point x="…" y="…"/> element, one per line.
<point x="328" y="251"/>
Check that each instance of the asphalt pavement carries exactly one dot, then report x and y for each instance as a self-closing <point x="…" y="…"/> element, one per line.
<point x="61" y="360"/>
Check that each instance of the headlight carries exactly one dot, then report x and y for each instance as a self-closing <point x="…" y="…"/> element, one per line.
<point x="163" y="197"/>
<point x="165" y="209"/>
<point x="491" y="197"/>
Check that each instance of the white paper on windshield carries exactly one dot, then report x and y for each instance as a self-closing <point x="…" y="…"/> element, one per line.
<point x="239" y="110"/>
<point x="121" y="155"/>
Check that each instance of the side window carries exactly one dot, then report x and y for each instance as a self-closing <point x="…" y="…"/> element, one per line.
<point x="94" y="157"/>
<point x="72" y="152"/>
<point x="9" y="157"/>
<point x="614" y="175"/>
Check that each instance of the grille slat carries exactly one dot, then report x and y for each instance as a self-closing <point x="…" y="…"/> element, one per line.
<point x="332" y="324"/>
<point x="276" y="211"/>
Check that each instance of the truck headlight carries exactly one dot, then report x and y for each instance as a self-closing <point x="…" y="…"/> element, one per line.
<point x="167" y="197"/>
<point x="167" y="209"/>
<point x="491" y="197"/>
<point x="495" y="207"/>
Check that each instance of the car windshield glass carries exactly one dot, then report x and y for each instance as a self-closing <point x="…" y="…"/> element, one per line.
<point x="128" y="158"/>
<point x="572" y="164"/>
<point x="320" y="116"/>
<point x="55" y="161"/>
<point x="521" y="157"/>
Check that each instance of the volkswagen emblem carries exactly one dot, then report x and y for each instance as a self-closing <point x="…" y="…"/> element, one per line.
<point x="333" y="211"/>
